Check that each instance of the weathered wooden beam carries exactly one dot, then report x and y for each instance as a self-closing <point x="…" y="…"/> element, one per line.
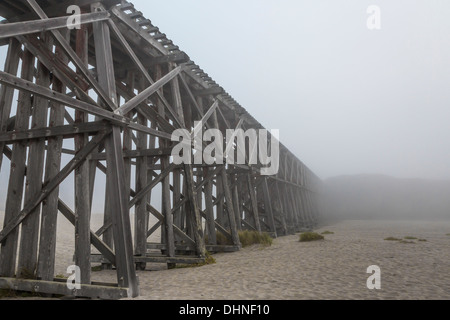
<point x="141" y="97"/>
<point x="214" y="91"/>
<point x="51" y="185"/>
<point x="61" y="288"/>
<point x="7" y="93"/>
<point x="63" y="99"/>
<point x="47" y="242"/>
<point x="28" y="249"/>
<point x="27" y="27"/>
<point x="13" y="204"/>
<point x="63" y="131"/>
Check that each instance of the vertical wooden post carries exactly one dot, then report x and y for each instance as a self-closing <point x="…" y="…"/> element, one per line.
<point x="209" y="210"/>
<point x="27" y="263"/>
<point x="268" y="206"/>
<point x="120" y="218"/>
<point x="167" y="234"/>
<point x="253" y="201"/>
<point x="82" y="194"/>
<point x="13" y="204"/>
<point x="47" y="242"/>
<point x="195" y="219"/>
<point x="236" y="208"/>
<point x="230" y="209"/>
<point x="141" y="214"/>
<point x="7" y="93"/>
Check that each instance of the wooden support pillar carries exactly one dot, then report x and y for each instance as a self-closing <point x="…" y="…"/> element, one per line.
<point x="13" y="204"/>
<point x="167" y="234"/>
<point x="230" y="208"/>
<point x="281" y="208"/>
<point x="209" y="210"/>
<point x="141" y="214"/>
<point x="126" y="275"/>
<point x="235" y="199"/>
<point x="7" y="93"/>
<point x="253" y="201"/>
<point x="195" y="218"/>
<point x="47" y="242"/>
<point x="82" y="194"/>
<point x="28" y="250"/>
<point x="268" y="206"/>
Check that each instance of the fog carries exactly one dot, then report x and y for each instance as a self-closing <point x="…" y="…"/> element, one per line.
<point x="384" y="197"/>
<point x="366" y="110"/>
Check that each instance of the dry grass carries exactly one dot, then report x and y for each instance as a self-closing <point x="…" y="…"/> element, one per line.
<point x="392" y="239"/>
<point x="311" y="236"/>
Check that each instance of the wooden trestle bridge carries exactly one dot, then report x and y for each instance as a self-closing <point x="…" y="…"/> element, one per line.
<point x="108" y="95"/>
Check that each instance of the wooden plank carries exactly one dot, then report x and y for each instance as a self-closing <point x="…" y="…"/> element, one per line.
<point x="82" y="192"/>
<point x="7" y="93"/>
<point x="141" y="97"/>
<point x="13" y="204"/>
<point x="143" y="70"/>
<point x="214" y="91"/>
<point x="141" y="214"/>
<point x="253" y="201"/>
<point x="28" y="250"/>
<point x="209" y="211"/>
<point x="268" y="206"/>
<point x="75" y="59"/>
<point x="50" y="186"/>
<point x="126" y="275"/>
<point x="104" y="248"/>
<point x="47" y="242"/>
<point x="49" y="133"/>
<point x="123" y="242"/>
<point x="230" y="209"/>
<point x="195" y="218"/>
<point x="27" y="27"/>
<point x="60" y="288"/>
<point x="186" y="247"/>
<point x="235" y="198"/>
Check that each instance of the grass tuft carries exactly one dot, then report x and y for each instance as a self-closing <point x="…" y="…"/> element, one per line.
<point x="310" y="236"/>
<point x="327" y="232"/>
<point x="248" y="238"/>
<point x="96" y="268"/>
<point x="209" y="259"/>
<point x="423" y="240"/>
<point x="392" y="239"/>
<point x="410" y="238"/>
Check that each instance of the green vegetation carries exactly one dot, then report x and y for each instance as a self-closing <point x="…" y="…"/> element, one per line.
<point x="392" y="239"/>
<point x="310" y="236"/>
<point x="7" y="293"/>
<point x="248" y="238"/>
<point x="209" y="259"/>
<point x="406" y="239"/>
<point x="96" y="268"/>
<point x="327" y="232"/>
<point x="448" y="234"/>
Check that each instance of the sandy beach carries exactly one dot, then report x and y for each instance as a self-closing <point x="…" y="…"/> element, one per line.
<point x="335" y="268"/>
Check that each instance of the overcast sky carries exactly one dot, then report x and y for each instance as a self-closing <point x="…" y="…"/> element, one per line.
<point x="347" y="100"/>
